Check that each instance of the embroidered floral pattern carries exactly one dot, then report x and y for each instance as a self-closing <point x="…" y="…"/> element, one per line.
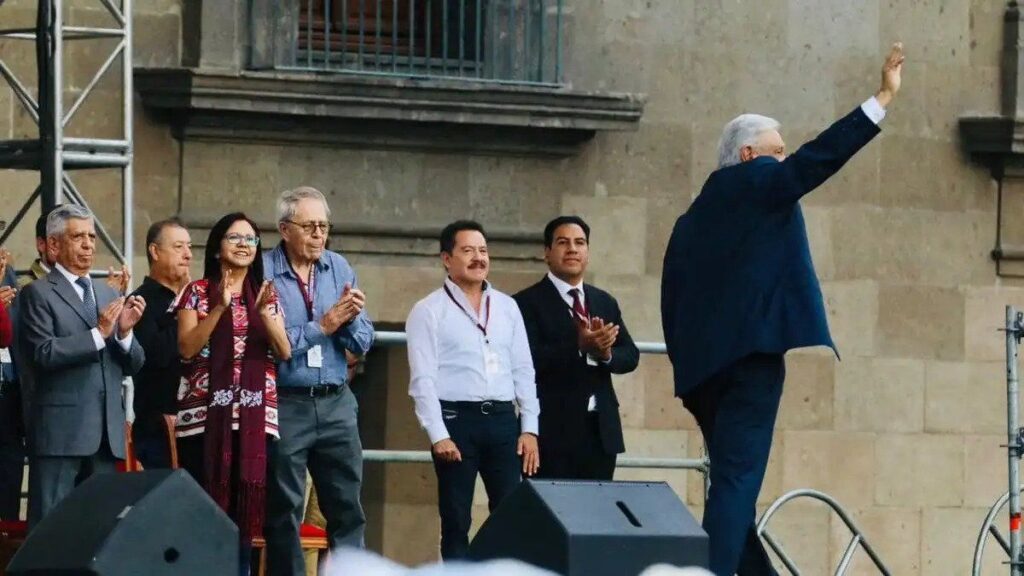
<point x="222" y="398"/>
<point x="250" y="398"/>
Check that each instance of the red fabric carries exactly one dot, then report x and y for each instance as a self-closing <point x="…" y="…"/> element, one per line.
<point x="582" y="315"/>
<point x="6" y="332"/>
<point x="249" y="394"/>
<point x="14" y="528"/>
<point x="311" y="531"/>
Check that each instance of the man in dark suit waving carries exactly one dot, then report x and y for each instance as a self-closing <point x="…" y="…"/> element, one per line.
<point x="738" y="291"/>
<point x="578" y="341"/>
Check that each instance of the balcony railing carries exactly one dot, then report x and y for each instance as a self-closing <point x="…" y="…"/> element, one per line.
<point x="506" y="41"/>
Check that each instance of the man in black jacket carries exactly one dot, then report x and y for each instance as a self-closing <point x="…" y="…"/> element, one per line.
<point x="578" y="341"/>
<point x="169" y="251"/>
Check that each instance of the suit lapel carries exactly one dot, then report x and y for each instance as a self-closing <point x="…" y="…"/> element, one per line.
<point x="67" y="293"/>
<point x="557" y="306"/>
<point x="593" y="308"/>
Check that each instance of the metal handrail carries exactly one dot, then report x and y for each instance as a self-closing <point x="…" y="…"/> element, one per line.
<point x="989" y="527"/>
<point x="857" y="540"/>
<point x="395" y="338"/>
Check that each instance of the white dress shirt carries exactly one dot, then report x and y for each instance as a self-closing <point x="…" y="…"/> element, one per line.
<point x="873" y="110"/>
<point x="448" y="356"/>
<point x="563" y="289"/>
<point x="97" y="338"/>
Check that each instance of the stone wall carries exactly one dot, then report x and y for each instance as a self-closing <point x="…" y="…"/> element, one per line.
<point x="904" y="431"/>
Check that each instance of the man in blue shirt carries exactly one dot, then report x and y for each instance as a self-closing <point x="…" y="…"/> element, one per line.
<point x="324" y="317"/>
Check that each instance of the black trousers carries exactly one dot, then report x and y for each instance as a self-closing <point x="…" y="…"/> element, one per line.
<point x="191" y="451"/>
<point x="12" y="450"/>
<point x="736" y="412"/>
<point x="585" y="461"/>
<point x="487" y="442"/>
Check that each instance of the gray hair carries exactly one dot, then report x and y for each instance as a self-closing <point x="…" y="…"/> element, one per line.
<point x="57" y="221"/>
<point x="289" y="199"/>
<point x="741" y="131"/>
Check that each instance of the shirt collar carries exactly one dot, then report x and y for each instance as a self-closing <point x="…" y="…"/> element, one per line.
<point x="283" y="266"/>
<point x="149" y="281"/>
<point x="458" y="293"/>
<point x="563" y="286"/>
<point x="66" y="273"/>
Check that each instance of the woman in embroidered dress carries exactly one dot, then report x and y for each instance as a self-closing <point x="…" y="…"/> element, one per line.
<point x="230" y="331"/>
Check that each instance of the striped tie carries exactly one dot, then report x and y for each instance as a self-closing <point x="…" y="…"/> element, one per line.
<point x="579" y="313"/>
<point x="87" y="299"/>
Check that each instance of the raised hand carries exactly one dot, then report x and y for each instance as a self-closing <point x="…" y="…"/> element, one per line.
<point x="225" y="290"/>
<point x="108" y="318"/>
<point x="598" y="338"/>
<point x="892" y="71"/>
<point x="130" y="314"/>
<point x="119" y="280"/>
<point x="344" y="310"/>
<point x="265" y="300"/>
<point x="7" y="294"/>
<point x="5" y="258"/>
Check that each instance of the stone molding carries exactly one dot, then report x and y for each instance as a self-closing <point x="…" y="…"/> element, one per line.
<point x="385" y="113"/>
<point x="997" y="140"/>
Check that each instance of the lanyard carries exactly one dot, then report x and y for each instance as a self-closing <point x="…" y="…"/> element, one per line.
<point x="481" y="328"/>
<point x="306" y="289"/>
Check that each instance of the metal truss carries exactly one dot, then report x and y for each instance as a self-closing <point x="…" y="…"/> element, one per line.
<point x="53" y="154"/>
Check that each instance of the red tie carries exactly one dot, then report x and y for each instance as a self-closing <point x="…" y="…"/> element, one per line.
<point x="579" y="312"/>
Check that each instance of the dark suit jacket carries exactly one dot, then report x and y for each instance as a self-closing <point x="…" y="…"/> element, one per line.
<point x="76" y="396"/>
<point x="564" y="380"/>
<point x="738" y="276"/>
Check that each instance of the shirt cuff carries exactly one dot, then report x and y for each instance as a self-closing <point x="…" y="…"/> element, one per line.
<point x="529" y="424"/>
<point x="873" y="110"/>
<point x="437" y="432"/>
<point x="97" y="339"/>
<point x="125" y="344"/>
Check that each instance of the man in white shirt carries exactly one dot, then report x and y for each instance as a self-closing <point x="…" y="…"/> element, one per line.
<point x="470" y="366"/>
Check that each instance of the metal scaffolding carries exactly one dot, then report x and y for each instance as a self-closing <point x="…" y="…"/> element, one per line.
<point x="53" y="154"/>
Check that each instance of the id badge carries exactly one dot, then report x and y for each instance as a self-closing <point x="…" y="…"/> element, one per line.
<point x="493" y="364"/>
<point x="5" y="355"/>
<point x="315" y="357"/>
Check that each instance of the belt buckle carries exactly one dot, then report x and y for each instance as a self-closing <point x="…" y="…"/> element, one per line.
<point x="485" y="407"/>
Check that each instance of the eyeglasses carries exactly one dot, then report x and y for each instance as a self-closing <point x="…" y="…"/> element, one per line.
<point x="242" y="240"/>
<point x="310" y="227"/>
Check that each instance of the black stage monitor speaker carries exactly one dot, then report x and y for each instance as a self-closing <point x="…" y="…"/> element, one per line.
<point x="154" y="523"/>
<point x="578" y="528"/>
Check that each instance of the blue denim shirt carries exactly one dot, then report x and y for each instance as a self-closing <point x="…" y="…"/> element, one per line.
<point x="332" y="272"/>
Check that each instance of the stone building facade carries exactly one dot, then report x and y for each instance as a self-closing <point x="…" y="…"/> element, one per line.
<point x="904" y="431"/>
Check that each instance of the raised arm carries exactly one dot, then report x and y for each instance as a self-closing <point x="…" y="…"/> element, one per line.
<point x="819" y="159"/>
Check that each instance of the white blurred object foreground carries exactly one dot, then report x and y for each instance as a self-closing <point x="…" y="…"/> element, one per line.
<point x="352" y="561"/>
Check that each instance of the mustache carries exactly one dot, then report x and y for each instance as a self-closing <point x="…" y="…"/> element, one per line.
<point x="477" y="264"/>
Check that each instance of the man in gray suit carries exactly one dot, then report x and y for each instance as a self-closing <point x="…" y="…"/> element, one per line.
<point x="77" y="338"/>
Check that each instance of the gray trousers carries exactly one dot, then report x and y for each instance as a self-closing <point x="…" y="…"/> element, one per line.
<point x="320" y="434"/>
<point x="52" y="478"/>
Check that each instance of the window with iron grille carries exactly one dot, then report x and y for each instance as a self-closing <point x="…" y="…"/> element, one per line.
<point x="512" y="41"/>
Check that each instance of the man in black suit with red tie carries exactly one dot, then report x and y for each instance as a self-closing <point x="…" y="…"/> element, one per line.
<point x="578" y="340"/>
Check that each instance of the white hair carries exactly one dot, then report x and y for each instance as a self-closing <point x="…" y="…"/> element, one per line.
<point x="289" y="199"/>
<point x="741" y="131"/>
<point x="57" y="221"/>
